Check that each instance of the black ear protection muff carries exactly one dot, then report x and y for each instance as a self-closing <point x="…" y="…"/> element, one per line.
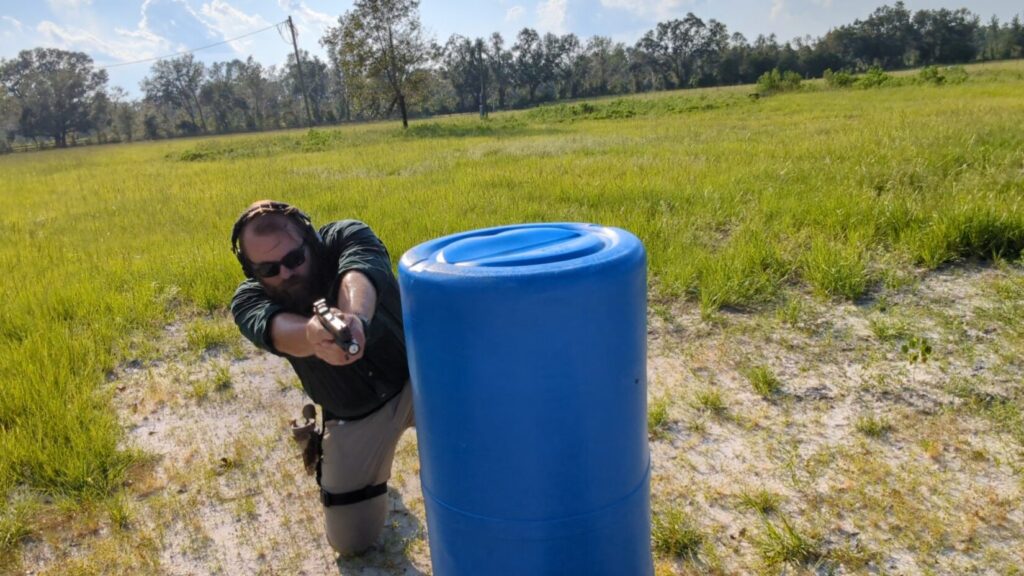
<point x="258" y="209"/>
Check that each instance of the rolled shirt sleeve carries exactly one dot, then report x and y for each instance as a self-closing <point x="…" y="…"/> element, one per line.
<point x="253" y="311"/>
<point x="355" y="247"/>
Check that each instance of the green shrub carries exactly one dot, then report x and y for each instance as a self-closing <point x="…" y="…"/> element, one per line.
<point x="955" y="74"/>
<point x="931" y="75"/>
<point x="874" y="78"/>
<point x="776" y="81"/>
<point x="315" y="140"/>
<point x="938" y="76"/>
<point x="840" y="79"/>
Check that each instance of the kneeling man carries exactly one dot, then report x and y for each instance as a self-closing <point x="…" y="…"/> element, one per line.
<point x="364" y="394"/>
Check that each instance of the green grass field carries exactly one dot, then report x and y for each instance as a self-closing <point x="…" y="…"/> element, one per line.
<point x="740" y="201"/>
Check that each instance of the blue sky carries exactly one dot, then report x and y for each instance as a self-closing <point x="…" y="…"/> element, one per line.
<point x="125" y="30"/>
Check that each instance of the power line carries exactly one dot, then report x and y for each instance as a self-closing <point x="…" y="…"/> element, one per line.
<point x="183" y="52"/>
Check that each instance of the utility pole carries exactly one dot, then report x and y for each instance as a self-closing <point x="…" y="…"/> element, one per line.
<point x="302" y="80"/>
<point x="482" y="71"/>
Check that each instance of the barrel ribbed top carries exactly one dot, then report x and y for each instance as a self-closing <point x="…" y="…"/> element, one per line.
<point x="519" y="249"/>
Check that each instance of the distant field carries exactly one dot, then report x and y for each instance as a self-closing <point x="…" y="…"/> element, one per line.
<point x="740" y="201"/>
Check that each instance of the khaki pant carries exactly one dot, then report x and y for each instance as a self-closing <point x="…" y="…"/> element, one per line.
<point x="356" y="454"/>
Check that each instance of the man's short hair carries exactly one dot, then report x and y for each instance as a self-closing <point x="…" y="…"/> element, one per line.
<point x="266" y="217"/>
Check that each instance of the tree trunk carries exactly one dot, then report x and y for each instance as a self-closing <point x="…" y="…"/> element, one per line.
<point x="405" y="114"/>
<point x="199" y="108"/>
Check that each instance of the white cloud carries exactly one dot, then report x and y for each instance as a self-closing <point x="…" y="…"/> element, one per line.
<point x="551" y="15"/>
<point x="130" y="46"/>
<point x="778" y="7"/>
<point x="13" y="33"/>
<point x="14" y="22"/>
<point x="165" y="27"/>
<point x="514" y="13"/>
<point x="306" y="19"/>
<point x="229" y="22"/>
<point x="62" y="6"/>
<point x="660" y="9"/>
<point x="176" y="21"/>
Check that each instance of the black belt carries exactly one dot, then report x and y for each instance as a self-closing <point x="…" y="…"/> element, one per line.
<point x="346" y="498"/>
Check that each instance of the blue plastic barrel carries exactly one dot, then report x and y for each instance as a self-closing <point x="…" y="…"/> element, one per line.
<point x="527" y="347"/>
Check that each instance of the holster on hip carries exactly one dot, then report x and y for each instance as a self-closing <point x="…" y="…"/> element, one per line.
<point x="308" y="437"/>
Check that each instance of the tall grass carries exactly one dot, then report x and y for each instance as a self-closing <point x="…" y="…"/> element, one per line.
<point x="736" y="200"/>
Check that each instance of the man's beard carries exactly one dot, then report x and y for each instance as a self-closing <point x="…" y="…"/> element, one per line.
<point x="297" y="294"/>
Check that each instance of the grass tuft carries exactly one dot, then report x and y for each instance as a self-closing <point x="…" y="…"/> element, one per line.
<point x="749" y="270"/>
<point x="1004" y="412"/>
<point x="873" y="426"/>
<point x="200" y="389"/>
<point x="15" y="526"/>
<point x="761" y="501"/>
<point x="791" y="312"/>
<point x="657" y="419"/>
<point x="221" y="378"/>
<point x="204" y="335"/>
<point x="889" y="329"/>
<point x="780" y="543"/>
<point x="837" y="270"/>
<point x="675" y="534"/>
<point x="764" y="381"/>
<point x="120" y="512"/>
<point x="709" y="400"/>
<point x="969" y="230"/>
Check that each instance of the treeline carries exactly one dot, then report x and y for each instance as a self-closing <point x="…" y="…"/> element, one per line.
<point x="53" y="96"/>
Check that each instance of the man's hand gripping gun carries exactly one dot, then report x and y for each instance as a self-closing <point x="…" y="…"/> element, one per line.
<point x="336" y="326"/>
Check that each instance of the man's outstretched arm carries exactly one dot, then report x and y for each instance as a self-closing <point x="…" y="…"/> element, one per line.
<point x="288" y="334"/>
<point x="357" y="295"/>
<point x="357" y="300"/>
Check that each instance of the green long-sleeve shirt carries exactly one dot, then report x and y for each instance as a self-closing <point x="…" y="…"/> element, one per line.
<point x="356" y="390"/>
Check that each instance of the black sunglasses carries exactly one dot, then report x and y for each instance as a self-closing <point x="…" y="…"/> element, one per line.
<point x="291" y="261"/>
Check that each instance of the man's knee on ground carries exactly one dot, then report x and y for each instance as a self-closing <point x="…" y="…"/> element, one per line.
<point x="353" y="529"/>
<point x="352" y="547"/>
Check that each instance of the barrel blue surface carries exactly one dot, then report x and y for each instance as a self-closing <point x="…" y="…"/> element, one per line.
<point x="527" y="347"/>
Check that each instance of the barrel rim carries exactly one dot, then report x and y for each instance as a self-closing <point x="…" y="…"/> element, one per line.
<point x="419" y="260"/>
